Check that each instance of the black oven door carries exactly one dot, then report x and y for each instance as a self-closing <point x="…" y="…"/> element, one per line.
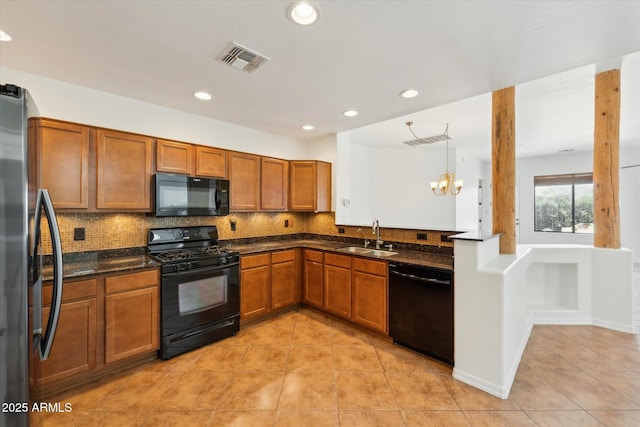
<point x="195" y="298"/>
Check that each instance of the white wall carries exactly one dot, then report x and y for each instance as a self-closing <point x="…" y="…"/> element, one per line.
<point x="393" y="185"/>
<point x="59" y="100"/>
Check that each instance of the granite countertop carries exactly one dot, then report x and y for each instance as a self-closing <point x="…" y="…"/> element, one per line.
<point x="404" y="256"/>
<point x="74" y="269"/>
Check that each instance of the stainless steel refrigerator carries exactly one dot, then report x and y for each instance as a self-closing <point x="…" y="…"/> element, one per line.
<point x="21" y="259"/>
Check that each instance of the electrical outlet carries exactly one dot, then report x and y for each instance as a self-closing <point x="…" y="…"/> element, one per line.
<point x="233" y="225"/>
<point x="286" y="223"/>
<point x="421" y="236"/>
<point x="341" y="230"/>
<point x="444" y="238"/>
<point x="78" y="233"/>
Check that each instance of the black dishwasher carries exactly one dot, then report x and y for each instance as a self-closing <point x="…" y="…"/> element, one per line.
<point x="421" y="309"/>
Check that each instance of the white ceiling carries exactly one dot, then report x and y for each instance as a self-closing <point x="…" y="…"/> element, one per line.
<point x="359" y="55"/>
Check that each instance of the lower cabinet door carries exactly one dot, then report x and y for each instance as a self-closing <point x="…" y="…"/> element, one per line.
<point x="131" y="323"/>
<point x="370" y="301"/>
<point x="255" y="287"/>
<point x="337" y="291"/>
<point x="313" y="283"/>
<point x="284" y="285"/>
<point x="74" y="345"/>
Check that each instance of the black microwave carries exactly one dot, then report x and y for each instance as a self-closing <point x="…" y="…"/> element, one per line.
<point x="181" y="195"/>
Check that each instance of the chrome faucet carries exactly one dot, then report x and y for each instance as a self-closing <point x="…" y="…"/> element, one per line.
<point x="366" y="241"/>
<point x="376" y="230"/>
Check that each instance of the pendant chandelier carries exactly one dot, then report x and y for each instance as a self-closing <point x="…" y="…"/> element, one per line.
<point x="447" y="183"/>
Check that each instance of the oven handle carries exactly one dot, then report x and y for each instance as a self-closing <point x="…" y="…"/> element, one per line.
<point x="200" y="271"/>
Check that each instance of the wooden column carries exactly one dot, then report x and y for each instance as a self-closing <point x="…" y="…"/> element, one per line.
<point x="606" y="161"/>
<point x="503" y="177"/>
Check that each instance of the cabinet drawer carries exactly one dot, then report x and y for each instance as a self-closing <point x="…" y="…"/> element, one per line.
<point x="253" y="261"/>
<point x="368" y="266"/>
<point x="337" y="260"/>
<point x="283" y="256"/>
<point x="315" y="256"/>
<point x="71" y="291"/>
<point x="127" y="282"/>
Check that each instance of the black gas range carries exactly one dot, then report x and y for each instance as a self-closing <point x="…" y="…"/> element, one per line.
<point x="200" y="287"/>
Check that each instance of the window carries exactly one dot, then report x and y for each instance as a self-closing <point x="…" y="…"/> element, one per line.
<point x="564" y="203"/>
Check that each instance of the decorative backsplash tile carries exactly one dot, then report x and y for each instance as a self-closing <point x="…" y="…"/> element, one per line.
<point x="126" y="230"/>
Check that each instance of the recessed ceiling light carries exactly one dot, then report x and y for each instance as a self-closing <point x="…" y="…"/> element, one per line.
<point x="307" y="127"/>
<point x="4" y="36"/>
<point x="302" y="13"/>
<point x="350" y="113"/>
<point x="409" y="93"/>
<point x="202" y="95"/>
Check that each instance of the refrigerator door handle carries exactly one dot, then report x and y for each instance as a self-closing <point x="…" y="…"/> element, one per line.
<point x="45" y="341"/>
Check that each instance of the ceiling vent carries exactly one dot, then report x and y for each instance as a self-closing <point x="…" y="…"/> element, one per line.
<point x="242" y="58"/>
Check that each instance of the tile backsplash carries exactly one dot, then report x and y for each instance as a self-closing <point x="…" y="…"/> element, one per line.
<point x="126" y="230"/>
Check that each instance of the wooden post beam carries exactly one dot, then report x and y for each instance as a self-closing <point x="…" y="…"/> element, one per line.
<point x="503" y="176"/>
<point x="606" y="160"/>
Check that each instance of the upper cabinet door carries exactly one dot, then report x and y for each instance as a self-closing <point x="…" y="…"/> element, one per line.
<point x="274" y="186"/>
<point x="124" y="163"/>
<point x="244" y="180"/>
<point x="211" y="162"/>
<point x="62" y="156"/>
<point x="174" y="157"/>
<point x="310" y="186"/>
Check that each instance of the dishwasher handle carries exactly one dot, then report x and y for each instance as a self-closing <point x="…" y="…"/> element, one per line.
<point x="422" y="279"/>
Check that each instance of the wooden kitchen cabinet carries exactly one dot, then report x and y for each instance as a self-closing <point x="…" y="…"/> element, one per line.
<point x="244" y="180"/>
<point x="124" y="170"/>
<point x="274" y="184"/>
<point x="313" y="284"/>
<point x="174" y="157"/>
<point x="309" y="186"/>
<point x="61" y="155"/>
<point x="337" y="284"/>
<point x="285" y="278"/>
<point x="255" y="285"/>
<point x="74" y="346"/>
<point x="370" y="294"/>
<point x="131" y="315"/>
<point x="211" y="162"/>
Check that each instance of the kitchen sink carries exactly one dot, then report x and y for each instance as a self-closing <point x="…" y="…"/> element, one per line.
<point x="355" y="249"/>
<point x="380" y="252"/>
<point x="367" y="251"/>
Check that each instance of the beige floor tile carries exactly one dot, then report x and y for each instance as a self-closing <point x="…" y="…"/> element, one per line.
<point x="628" y="357"/>
<point x="140" y="391"/>
<point x="531" y="391"/>
<point x="265" y="358"/>
<point x="312" y="334"/>
<point x="240" y="419"/>
<point x="285" y="320"/>
<point x="172" y="419"/>
<point x="563" y="419"/>
<point x="308" y="391"/>
<point x="435" y="419"/>
<point x="371" y="418"/>
<point x="266" y="335"/>
<point x="310" y="358"/>
<point x="588" y="392"/>
<point x="543" y="359"/>
<point x="471" y="398"/>
<point x="87" y="397"/>
<point x="356" y="358"/>
<point x="307" y="315"/>
<point x="244" y="337"/>
<point x="113" y="419"/>
<point x="250" y="391"/>
<point x="307" y="418"/>
<point x="181" y="363"/>
<point x="499" y="419"/>
<point x="347" y="335"/>
<point x="196" y="391"/>
<point x="626" y="383"/>
<point x="218" y="357"/>
<point x="56" y="419"/>
<point x="364" y="390"/>
<point x="395" y="358"/>
<point x="420" y="391"/>
<point x="618" y="418"/>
